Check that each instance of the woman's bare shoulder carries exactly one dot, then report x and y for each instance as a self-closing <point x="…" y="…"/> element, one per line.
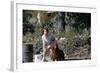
<point x="43" y="36"/>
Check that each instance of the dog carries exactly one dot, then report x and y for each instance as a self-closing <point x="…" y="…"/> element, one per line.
<point x="56" y="54"/>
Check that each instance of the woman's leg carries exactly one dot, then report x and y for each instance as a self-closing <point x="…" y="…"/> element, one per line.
<point x="44" y="54"/>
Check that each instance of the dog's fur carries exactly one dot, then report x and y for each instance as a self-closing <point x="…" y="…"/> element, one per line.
<point x="56" y="54"/>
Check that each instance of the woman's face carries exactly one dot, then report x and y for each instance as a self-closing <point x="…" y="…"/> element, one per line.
<point x="45" y="32"/>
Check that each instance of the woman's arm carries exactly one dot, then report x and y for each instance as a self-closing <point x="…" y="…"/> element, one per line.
<point x="43" y="41"/>
<point x="44" y="44"/>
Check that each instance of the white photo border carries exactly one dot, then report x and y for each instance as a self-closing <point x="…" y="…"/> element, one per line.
<point x="16" y="60"/>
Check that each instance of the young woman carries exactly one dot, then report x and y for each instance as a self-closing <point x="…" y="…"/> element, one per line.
<point x="46" y="39"/>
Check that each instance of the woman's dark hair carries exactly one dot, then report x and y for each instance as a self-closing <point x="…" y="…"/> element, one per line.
<point x="44" y="29"/>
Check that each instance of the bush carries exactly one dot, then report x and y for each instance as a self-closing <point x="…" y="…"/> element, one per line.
<point x="70" y="45"/>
